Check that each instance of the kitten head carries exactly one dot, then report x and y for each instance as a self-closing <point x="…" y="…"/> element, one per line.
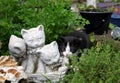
<point x="68" y="45"/>
<point x="17" y="46"/>
<point x="49" y="54"/>
<point x="34" y="37"/>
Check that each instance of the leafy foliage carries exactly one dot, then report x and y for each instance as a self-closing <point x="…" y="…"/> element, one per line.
<point x="55" y="15"/>
<point x="100" y="64"/>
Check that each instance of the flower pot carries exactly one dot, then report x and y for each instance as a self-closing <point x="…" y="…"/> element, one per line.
<point x="99" y="21"/>
<point x="115" y="18"/>
<point x="115" y="21"/>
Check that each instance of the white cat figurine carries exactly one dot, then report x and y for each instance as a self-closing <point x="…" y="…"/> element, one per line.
<point x="49" y="55"/>
<point x="51" y="64"/>
<point x="34" y="39"/>
<point x="17" y="46"/>
<point x="17" y="49"/>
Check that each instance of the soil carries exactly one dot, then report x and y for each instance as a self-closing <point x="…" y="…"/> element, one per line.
<point x="106" y="38"/>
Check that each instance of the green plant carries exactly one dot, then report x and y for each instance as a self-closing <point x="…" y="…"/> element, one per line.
<point x="111" y="26"/>
<point x="58" y="19"/>
<point x="15" y="15"/>
<point x="55" y="15"/>
<point x="100" y="64"/>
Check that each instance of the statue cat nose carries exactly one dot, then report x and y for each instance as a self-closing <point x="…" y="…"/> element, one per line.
<point x="36" y="44"/>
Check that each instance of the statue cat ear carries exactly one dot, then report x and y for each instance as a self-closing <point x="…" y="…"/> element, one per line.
<point x="40" y="27"/>
<point x="23" y="31"/>
<point x="54" y="43"/>
<point x="13" y="36"/>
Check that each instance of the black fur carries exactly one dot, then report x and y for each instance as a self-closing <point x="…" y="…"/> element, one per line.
<point x="77" y="40"/>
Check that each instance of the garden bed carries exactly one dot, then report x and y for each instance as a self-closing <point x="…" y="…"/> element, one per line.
<point x="106" y="38"/>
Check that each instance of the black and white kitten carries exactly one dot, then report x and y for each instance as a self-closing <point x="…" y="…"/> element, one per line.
<point x="73" y="43"/>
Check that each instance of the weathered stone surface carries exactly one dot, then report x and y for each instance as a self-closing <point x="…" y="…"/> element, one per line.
<point x="9" y="71"/>
<point x="41" y="62"/>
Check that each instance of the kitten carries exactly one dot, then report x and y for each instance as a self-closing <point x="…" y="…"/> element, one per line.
<point x="73" y="43"/>
<point x="34" y="39"/>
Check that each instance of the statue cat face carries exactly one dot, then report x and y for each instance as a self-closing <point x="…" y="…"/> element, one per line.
<point x="34" y="37"/>
<point x="49" y="54"/>
<point x="17" y="46"/>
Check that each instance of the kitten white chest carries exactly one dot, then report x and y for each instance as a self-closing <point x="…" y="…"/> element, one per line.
<point x="67" y="51"/>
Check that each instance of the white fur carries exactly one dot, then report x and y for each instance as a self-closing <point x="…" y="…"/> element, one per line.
<point x="67" y="51"/>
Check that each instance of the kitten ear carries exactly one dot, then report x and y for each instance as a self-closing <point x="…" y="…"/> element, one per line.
<point x="40" y="28"/>
<point x="60" y="39"/>
<point x="23" y="31"/>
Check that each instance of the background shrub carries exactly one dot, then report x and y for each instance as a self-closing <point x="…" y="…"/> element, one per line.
<point x="55" y="15"/>
<point x="100" y="64"/>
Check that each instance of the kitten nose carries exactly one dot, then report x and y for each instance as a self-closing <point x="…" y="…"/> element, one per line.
<point x="67" y="55"/>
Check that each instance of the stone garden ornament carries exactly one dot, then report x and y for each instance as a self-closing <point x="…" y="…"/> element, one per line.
<point x="115" y="33"/>
<point x="10" y="72"/>
<point x="34" y="39"/>
<point x="41" y="62"/>
<point x="17" y="49"/>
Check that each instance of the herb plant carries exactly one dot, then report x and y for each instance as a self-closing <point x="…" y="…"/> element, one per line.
<point x="100" y="64"/>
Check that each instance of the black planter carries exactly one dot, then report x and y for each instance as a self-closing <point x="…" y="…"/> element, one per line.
<point x="99" y="21"/>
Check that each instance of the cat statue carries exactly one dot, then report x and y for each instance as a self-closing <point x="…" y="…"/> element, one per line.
<point x="49" y="55"/>
<point x="17" y="49"/>
<point x="51" y="65"/>
<point x="34" y="39"/>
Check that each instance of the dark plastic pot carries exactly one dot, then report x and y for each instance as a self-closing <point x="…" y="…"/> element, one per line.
<point x="99" y="21"/>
